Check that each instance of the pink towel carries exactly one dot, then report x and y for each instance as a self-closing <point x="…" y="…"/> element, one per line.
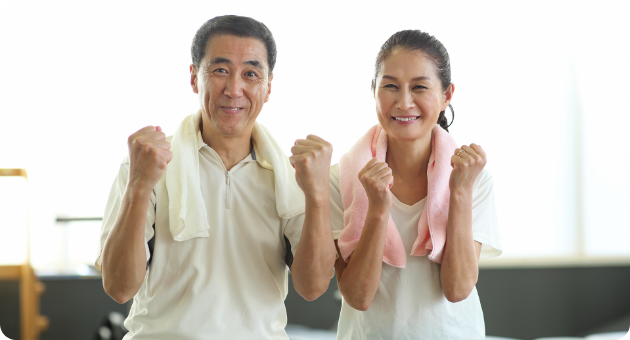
<point x="432" y="225"/>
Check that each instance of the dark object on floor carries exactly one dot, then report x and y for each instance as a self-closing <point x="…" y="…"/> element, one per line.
<point x="112" y="327"/>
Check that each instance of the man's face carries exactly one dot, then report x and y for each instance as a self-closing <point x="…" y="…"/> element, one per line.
<point x="233" y="83"/>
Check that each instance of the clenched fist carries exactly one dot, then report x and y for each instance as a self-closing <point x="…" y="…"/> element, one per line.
<point x="467" y="162"/>
<point x="377" y="180"/>
<point x="311" y="161"/>
<point x="149" y="152"/>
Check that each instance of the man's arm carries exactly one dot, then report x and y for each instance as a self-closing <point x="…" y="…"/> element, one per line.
<point x="124" y="257"/>
<point x="315" y="257"/>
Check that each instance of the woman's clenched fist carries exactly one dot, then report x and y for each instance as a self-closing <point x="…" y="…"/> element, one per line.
<point x="377" y="180"/>
<point x="149" y="153"/>
<point x="467" y="162"/>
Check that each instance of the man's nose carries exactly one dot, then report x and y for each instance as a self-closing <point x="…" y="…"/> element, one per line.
<point x="234" y="86"/>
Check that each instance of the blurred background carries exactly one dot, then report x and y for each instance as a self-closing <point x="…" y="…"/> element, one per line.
<point x="542" y="86"/>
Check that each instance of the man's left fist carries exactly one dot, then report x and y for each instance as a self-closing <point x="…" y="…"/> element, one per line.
<point x="311" y="161"/>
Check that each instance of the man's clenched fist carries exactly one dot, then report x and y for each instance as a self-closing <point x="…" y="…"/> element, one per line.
<point x="311" y="160"/>
<point x="149" y="152"/>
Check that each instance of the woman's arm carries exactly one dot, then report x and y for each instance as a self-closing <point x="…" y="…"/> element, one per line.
<point x="460" y="262"/>
<point x="358" y="280"/>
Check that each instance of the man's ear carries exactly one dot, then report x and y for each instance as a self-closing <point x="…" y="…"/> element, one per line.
<point x="268" y="88"/>
<point x="193" y="78"/>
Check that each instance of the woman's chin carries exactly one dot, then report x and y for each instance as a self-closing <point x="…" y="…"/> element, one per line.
<point x="408" y="132"/>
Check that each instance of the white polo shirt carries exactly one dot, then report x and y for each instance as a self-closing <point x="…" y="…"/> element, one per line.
<point x="231" y="285"/>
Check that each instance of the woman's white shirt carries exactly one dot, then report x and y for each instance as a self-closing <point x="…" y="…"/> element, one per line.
<point x="409" y="303"/>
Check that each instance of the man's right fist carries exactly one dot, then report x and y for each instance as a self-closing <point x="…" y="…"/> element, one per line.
<point x="149" y="152"/>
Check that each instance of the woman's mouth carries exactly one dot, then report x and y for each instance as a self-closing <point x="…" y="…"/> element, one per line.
<point x="405" y="119"/>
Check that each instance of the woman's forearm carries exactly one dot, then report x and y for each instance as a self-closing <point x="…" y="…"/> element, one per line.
<point x="459" y="270"/>
<point x="124" y="256"/>
<point x="359" y="280"/>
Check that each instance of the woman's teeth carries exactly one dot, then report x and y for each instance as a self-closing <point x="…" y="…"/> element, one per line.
<point x="405" y="119"/>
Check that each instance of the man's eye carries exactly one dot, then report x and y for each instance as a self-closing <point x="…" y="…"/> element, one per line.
<point x="391" y="86"/>
<point x="250" y="74"/>
<point x="220" y="70"/>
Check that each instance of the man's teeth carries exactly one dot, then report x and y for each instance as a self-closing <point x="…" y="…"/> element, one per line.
<point x="406" y="119"/>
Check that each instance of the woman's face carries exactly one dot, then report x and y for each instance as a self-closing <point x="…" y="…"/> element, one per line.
<point x="409" y="96"/>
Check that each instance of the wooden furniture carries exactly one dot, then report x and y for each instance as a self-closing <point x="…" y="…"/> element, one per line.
<point x="32" y="324"/>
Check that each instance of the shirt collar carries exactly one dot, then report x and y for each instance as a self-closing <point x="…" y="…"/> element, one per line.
<point x="201" y="144"/>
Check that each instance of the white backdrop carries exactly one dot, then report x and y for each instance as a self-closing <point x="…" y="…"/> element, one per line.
<point x="541" y="86"/>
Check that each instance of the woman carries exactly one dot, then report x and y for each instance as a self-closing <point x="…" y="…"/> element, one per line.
<point x="404" y="191"/>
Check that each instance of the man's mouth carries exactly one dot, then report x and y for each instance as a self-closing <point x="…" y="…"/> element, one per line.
<point x="231" y="109"/>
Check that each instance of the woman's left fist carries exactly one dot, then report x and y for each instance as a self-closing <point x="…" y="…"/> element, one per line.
<point x="311" y="161"/>
<point x="467" y="163"/>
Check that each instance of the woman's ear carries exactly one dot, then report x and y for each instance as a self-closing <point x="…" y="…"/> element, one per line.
<point x="448" y="95"/>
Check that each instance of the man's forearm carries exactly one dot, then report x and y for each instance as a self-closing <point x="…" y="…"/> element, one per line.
<point x="315" y="257"/>
<point x="124" y="255"/>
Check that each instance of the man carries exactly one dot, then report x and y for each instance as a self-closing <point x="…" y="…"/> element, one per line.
<point x="214" y="265"/>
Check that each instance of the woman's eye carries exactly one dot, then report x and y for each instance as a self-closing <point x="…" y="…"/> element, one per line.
<point x="419" y="87"/>
<point x="390" y="86"/>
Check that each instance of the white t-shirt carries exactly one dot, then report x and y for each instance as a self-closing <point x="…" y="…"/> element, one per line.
<point x="231" y="285"/>
<point x="409" y="302"/>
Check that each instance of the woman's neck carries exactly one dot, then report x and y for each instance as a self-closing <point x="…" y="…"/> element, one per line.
<point x="409" y="158"/>
<point x="409" y="161"/>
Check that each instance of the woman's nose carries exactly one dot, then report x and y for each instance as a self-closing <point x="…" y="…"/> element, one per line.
<point x="405" y="102"/>
<point x="234" y="86"/>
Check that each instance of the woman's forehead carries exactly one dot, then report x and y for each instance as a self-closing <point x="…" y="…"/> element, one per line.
<point x="408" y="64"/>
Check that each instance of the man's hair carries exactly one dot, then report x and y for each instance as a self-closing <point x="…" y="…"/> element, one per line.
<point x="235" y="25"/>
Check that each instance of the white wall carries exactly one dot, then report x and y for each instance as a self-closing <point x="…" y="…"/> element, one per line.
<point x="541" y="86"/>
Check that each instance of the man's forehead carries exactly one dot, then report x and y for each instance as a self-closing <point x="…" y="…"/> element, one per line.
<point x="236" y="49"/>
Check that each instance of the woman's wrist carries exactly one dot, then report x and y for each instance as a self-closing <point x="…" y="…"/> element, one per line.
<point x="378" y="213"/>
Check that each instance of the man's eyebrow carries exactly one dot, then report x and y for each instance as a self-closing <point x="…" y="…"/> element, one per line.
<point x="220" y="60"/>
<point x="254" y="63"/>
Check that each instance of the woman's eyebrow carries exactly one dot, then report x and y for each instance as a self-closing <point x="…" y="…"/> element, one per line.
<point x="386" y="76"/>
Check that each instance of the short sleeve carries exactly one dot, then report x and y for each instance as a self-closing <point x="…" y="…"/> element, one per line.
<point x="485" y="225"/>
<point x="336" y="204"/>
<point x="293" y="231"/>
<point x="111" y="212"/>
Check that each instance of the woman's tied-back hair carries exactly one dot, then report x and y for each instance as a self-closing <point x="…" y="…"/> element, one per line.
<point x="415" y="40"/>
<point x="243" y="27"/>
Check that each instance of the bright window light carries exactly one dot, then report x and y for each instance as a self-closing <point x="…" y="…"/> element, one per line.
<point x="541" y="86"/>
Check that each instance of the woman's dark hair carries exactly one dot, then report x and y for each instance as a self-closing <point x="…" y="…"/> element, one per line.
<point x="234" y="25"/>
<point x="414" y="40"/>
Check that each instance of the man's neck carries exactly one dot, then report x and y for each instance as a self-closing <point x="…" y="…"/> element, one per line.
<point x="231" y="149"/>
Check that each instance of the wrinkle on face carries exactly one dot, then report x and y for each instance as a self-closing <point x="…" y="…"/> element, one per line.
<point x="233" y="73"/>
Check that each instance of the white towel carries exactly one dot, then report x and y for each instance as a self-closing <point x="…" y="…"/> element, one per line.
<point x="187" y="209"/>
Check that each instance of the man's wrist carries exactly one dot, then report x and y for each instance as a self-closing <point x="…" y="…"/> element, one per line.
<point x="137" y="193"/>
<point x="318" y="198"/>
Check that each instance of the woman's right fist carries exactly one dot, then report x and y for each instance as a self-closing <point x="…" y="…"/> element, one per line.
<point x="377" y="181"/>
<point x="149" y="153"/>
